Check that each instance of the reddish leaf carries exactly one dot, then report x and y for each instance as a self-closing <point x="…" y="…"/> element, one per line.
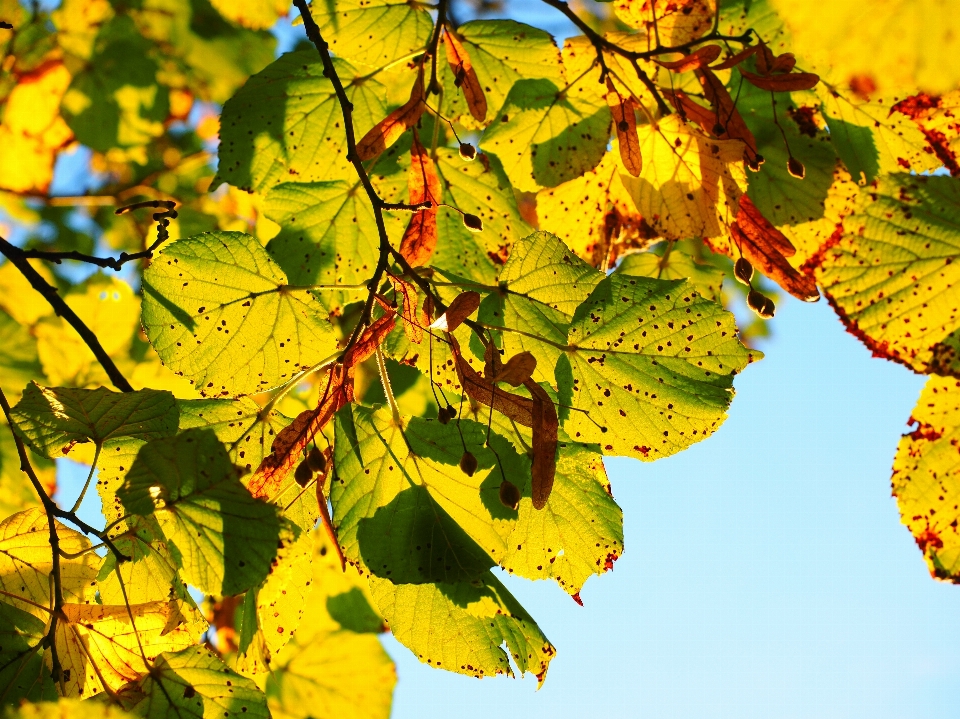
<point x="517" y="370"/>
<point x="463" y="305"/>
<point x="465" y="75"/>
<point x="293" y="439"/>
<point x="734" y="60"/>
<point x="517" y="408"/>
<point x="767" y="248"/>
<point x="625" y="123"/>
<point x="700" y="58"/>
<point x="783" y="63"/>
<point x="388" y="130"/>
<point x="782" y="83"/>
<point x="727" y="123"/>
<point x="420" y="238"/>
<point x="546" y="426"/>
<point x="413" y="323"/>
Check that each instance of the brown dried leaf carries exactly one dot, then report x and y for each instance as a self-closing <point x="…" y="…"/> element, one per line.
<point x="413" y="321"/>
<point x="517" y="370"/>
<point x="734" y="60"/>
<point x="728" y="117"/>
<point x="624" y="114"/>
<point x="545" y="428"/>
<point x="791" y="82"/>
<point x="701" y="57"/>
<point x="293" y="439"/>
<point x="420" y="238"/>
<point x="466" y="76"/>
<point x="517" y="408"/>
<point x="767" y="248"/>
<point x="388" y="130"/>
<point x="463" y="305"/>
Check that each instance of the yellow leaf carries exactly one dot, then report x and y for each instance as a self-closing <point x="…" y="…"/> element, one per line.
<point x="32" y="129"/>
<point x="100" y="645"/>
<point x="253" y="14"/>
<point x="926" y="471"/>
<point x="673" y="22"/>
<point x="591" y="211"/>
<point x="889" y="46"/>
<point x="26" y="563"/>
<point x="690" y="184"/>
<point x="18" y="298"/>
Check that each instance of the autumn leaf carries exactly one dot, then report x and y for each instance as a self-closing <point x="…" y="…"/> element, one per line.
<point x="625" y="123"/>
<point x="420" y="239"/>
<point x="466" y="76"/>
<point x="389" y="129"/>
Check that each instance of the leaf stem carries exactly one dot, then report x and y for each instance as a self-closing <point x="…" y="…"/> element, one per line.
<point x="93" y="468"/>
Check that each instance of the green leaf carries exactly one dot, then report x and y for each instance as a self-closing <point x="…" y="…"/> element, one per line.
<point x="116" y="101"/>
<point x="540" y="287"/>
<point x="893" y="278"/>
<point x="195" y="683"/>
<point x="328" y="236"/>
<point x="23" y="674"/>
<point x="650" y="367"/>
<point x="335" y="674"/>
<point x="150" y="574"/>
<point x="501" y="53"/>
<point x="375" y="32"/>
<point x="580" y="531"/>
<point x="690" y="183"/>
<point x="224" y="537"/>
<point x="219" y="311"/>
<point x="402" y="506"/>
<point x="242" y="425"/>
<point x="925" y="472"/>
<point x="678" y="265"/>
<point x="545" y="135"/>
<point x="461" y="627"/>
<point x="279" y="602"/>
<point x="19" y="361"/>
<point x="53" y="419"/>
<point x="285" y="124"/>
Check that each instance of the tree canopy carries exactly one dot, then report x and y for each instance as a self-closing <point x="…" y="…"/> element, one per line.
<point x="342" y="330"/>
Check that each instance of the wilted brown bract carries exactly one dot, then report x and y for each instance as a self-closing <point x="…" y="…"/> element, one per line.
<point x="624" y="114"/>
<point x="465" y="76"/>
<point x="389" y="129"/>
<point x="420" y="238"/>
<point x="546" y="427"/>
<point x="463" y="305"/>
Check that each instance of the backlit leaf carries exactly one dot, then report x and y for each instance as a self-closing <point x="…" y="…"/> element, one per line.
<point x="53" y="419"/>
<point x="225" y="539"/>
<point x="690" y="183"/>
<point x="19" y="361"/>
<point x="195" y="683"/>
<point x="651" y="367"/>
<point x="375" y="32"/>
<point x="673" y="266"/>
<point x="925" y="472"/>
<point x="285" y="124"/>
<point x="67" y="709"/>
<point x="462" y="627"/>
<point x="254" y="14"/>
<point x="892" y="276"/>
<point x="671" y="22"/>
<point x="403" y="508"/>
<point x="218" y="310"/>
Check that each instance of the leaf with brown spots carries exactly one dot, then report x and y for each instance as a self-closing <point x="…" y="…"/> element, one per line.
<point x="389" y="129"/>
<point x="893" y="274"/>
<point x="624" y="111"/>
<point x="545" y="428"/>
<point x="414" y="319"/>
<point x="420" y="239"/>
<point x="925" y="473"/>
<point x="752" y="236"/>
<point x="465" y="76"/>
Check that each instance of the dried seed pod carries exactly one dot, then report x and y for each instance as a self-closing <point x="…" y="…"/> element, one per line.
<point x="509" y="494"/>
<point x="796" y="168"/>
<point x="755" y="301"/>
<point x="743" y="270"/>
<point x="472" y="222"/>
<point x="623" y="126"/>
<point x="451" y="411"/>
<point x="768" y="309"/>
<point x="303" y="474"/>
<point x="719" y="129"/>
<point x="442" y="415"/>
<point x="468" y="463"/>
<point x="467" y="151"/>
<point x="316" y="461"/>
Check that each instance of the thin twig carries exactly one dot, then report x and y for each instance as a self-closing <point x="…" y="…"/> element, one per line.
<point x="49" y="292"/>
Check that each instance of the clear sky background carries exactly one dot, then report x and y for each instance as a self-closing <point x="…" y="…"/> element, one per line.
<point x="766" y="571"/>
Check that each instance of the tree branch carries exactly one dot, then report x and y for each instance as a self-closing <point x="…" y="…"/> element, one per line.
<point x="50" y="293"/>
